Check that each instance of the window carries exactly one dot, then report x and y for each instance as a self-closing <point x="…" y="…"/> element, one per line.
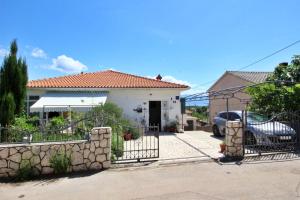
<point x="233" y="116"/>
<point x="30" y="101"/>
<point x="223" y="115"/>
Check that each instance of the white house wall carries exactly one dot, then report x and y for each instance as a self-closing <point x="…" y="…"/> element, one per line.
<point x="130" y="99"/>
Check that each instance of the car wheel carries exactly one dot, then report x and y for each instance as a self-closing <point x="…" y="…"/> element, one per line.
<point x="216" y="131"/>
<point x="250" y="138"/>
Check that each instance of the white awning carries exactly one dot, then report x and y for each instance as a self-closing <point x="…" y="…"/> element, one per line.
<point x="66" y="101"/>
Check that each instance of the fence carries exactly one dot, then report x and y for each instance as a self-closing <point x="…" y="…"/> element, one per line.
<point x="136" y="143"/>
<point x="279" y="133"/>
<point x="42" y="131"/>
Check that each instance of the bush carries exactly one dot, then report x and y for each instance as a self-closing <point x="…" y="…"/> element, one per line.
<point x="60" y="162"/>
<point x="117" y="145"/>
<point x="25" y="172"/>
<point x="110" y="115"/>
<point x="57" y="122"/>
<point x="25" y="124"/>
<point x="135" y="133"/>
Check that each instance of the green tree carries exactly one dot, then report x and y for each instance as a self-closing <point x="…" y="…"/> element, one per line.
<point x="282" y="93"/>
<point x="7" y="108"/>
<point x="13" y="80"/>
<point x="287" y="72"/>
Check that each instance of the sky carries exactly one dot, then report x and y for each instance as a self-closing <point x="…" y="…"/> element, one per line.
<point x="188" y="41"/>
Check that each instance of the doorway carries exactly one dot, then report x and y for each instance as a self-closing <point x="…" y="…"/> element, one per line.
<point x="155" y="113"/>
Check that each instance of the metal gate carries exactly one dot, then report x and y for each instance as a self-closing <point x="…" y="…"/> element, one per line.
<point x="130" y="148"/>
<point x="276" y="134"/>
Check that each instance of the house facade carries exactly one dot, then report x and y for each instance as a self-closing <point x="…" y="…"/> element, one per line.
<point x="232" y="79"/>
<point x="143" y="100"/>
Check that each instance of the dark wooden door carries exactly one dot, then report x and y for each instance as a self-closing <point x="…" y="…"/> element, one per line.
<point x="155" y="113"/>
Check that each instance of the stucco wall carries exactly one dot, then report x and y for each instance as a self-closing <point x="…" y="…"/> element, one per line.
<point x="94" y="154"/>
<point x="129" y="99"/>
<point x="218" y="105"/>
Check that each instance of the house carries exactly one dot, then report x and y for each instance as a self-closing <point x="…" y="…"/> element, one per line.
<point x="143" y="100"/>
<point x="232" y="79"/>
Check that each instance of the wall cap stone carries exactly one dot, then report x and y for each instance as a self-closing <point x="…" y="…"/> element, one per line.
<point x="41" y="143"/>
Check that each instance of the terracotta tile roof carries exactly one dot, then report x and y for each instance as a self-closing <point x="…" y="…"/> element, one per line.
<point x="102" y="79"/>
<point x="253" y="77"/>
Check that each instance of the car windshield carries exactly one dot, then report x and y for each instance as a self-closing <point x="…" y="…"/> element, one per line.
<point x="254" y="117"/>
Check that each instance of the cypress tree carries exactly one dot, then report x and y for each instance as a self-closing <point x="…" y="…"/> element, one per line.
<point x="7" y="108"/>
<point x="13" y="80"/>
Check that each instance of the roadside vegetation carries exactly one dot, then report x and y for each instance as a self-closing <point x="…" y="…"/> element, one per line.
<point x="281" y="93"/>
<point x="200" y="112"/>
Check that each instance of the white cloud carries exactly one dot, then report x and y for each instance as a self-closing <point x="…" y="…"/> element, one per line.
<point x="194" y="88"/>
<point x="174" y="80"/>
<point x="3" y="52"/>
<point x="67" y="64"/>
<point x="38" y="53"/>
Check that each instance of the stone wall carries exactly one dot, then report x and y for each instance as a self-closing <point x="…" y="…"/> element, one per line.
<point x="93" y="154"/>
<point x="234" y="139"/>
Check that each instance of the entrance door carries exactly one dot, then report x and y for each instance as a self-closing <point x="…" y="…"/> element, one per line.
<point x="155" y="113"/>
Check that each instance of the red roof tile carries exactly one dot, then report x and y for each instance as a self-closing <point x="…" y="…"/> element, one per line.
<point x="102" y="79"/>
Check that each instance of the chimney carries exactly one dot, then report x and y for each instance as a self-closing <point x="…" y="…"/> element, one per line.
<point x="158" y="77"/>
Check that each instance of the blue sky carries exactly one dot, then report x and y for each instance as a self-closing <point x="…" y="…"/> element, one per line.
<point x="193" y="41"/>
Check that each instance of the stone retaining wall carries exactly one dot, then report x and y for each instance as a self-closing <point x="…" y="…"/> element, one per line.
<point x="94" y="154"/>
<point x="234" y="139"/>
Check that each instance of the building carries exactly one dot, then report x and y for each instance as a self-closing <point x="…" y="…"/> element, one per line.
<point x="232" y="79"/>
<point x="143" y="100"/>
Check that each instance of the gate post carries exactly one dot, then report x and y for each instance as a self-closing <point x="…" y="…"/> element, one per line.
<point x="234" y="140"/>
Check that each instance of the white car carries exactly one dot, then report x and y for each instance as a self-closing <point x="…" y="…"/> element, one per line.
<point x="259" y="129"/>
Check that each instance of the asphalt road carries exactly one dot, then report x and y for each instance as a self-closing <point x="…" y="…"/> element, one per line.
<point x="209" y="181"/>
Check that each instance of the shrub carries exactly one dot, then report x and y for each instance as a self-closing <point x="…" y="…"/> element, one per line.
<point x="57" y="122"/>
<point x="25" y="172"/>
<point x="60" y="162"/>
<point x="25" y="124"/>
<point x="117" y="145"/>
<point x="110" y="115"/>
<point x="135" y="133"/>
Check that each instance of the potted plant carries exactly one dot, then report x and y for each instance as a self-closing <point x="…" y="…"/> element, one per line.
<point x="127" y="135"/>
<point x="172" y="127"/>
<point x="222" y="147"/>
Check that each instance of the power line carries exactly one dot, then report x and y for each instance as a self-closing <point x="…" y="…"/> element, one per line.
<point x="257" y="61"/>
<point x="268" y="56"/>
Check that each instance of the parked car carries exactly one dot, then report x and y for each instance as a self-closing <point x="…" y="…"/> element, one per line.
<point x="259" y="129"/>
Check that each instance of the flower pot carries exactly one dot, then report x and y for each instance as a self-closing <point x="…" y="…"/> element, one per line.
<point x="222" y="148"/>
<point x="127" y="136"/>
<point x="172" y="130"/>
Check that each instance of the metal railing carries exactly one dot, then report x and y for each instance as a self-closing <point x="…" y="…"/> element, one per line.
<point x="277" y="134"/>
<point x="44" y="132"/>
<point x="136" y="143"/>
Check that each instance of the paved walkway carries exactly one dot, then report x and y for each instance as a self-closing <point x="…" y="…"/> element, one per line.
<point x="191" y="144"/>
